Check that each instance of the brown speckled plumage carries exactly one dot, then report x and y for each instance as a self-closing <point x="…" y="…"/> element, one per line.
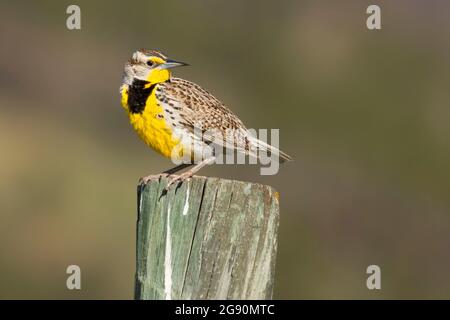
<point x="154" y="53"/>
<point x="190" y="106"/>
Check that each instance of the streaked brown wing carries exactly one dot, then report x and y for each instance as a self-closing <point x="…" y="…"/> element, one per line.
<point x="188" y="106"/>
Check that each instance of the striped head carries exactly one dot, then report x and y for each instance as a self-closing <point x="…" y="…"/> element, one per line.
<point x="150" y="66"/>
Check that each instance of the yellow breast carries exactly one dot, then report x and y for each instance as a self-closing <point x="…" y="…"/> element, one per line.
<point x="152" y="127"/>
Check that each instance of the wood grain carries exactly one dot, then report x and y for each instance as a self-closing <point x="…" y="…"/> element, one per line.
<point x="209" y="239"/>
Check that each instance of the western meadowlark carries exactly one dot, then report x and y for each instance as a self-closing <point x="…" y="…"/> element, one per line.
<point x="164" y="110"/>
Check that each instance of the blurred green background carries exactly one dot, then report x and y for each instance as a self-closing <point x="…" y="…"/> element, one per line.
<point x="364" y="113"/>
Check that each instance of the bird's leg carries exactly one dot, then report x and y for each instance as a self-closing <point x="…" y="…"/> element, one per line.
<point x="166" y="173"/>
<point x="190" y="172"/>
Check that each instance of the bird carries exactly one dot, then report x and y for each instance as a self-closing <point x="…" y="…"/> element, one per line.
<point x="173" y="115"/>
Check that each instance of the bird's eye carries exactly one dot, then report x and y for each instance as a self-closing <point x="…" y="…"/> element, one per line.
<point x="150" y="63"/>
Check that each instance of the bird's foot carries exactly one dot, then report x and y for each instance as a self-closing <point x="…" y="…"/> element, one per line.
<point x="178" y="179"/>
<point x="152" y="177"/>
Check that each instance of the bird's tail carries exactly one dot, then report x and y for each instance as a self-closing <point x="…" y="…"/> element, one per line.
<point x="260" y="145"/>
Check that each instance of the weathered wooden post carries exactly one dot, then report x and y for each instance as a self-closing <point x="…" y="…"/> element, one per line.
<point x="209" y="239"/>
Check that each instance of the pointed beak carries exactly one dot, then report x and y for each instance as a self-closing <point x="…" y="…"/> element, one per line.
<point x="172" y="64"/>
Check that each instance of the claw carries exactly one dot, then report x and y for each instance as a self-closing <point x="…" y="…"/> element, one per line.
<point x="185" y="176"/>
<point x="152" y="177"/>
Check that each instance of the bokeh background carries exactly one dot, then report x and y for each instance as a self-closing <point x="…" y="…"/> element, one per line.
<point x="364" y="113"/>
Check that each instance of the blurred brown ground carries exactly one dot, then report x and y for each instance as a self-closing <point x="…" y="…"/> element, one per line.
<point x="364" y="113"/>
